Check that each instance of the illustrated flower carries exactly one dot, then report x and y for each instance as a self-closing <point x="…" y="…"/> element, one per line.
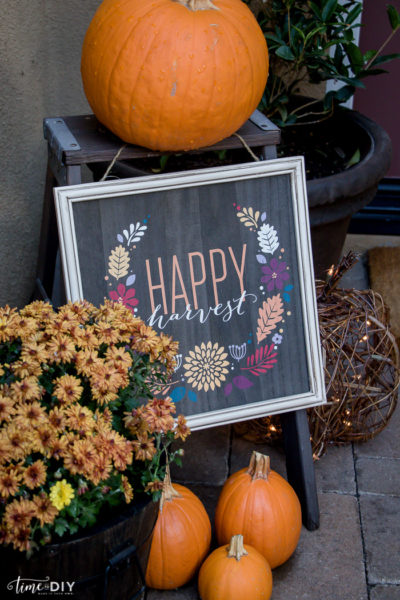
<point x="205" y="366"/>
<point x="277" y="338"/>
<point x="61" y="494"/>
<point x="124" y="296"/>
<point x="238" y="352"/>
<point x="275" y="274"/>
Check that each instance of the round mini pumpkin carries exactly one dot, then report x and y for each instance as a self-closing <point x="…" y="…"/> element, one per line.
<point x="264" y="507"/>
<point x="174" y="74"/>
<point x="181" y="538"/>
<point x="235" y="573"/>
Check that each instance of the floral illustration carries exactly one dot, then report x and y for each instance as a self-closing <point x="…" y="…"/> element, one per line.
<point x="238" y="352"/>
<point x="205" y="366"/>
<point x="124" y="296"/>
<point x="275" y="274"/>
<point x="277" y="339"/>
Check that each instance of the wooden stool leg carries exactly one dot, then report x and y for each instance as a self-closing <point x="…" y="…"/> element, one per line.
<point x="48" y="242"/>
<point x="300" y="465"/>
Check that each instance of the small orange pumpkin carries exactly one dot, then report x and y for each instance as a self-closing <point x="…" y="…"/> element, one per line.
<point x="174" y="74"/>
<point x="264" y="507"/>
<point x="235" y="573"/>
<point x="181" y="538"/>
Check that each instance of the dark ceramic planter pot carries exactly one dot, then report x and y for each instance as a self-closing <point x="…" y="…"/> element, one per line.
<point x="333" y="200"/>
<point x="107" y="563"/>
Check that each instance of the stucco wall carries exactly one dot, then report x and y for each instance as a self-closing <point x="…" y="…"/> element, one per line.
<point x="40" y="45"/>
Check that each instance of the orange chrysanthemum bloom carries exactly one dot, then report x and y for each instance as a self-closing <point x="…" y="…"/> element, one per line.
<point x="58" y="448"/>
<point x="8" y="323"/>
<point x="61" y="349"/>
<point x="6" y="408"/>
<point x="127" y="489"/>
<point x="35" y="474"/>
<point x="101" y="469"/>
<point x="20" y="538"/>
<point x="67" y="389"/>
<point x="26" y="389"/>
<point x="18" y="514"/>
<point x="57" y="418"/>
<point x="31" y="414"/>
<point x="19" y="441"/>
<point x="44" y="510"/>
<point x="80" y="418"/>
<point x="119" y="358"/>
<point x="157" y="414"/>
<point x="143" y="447"/>
<point x="34" y="352"/>
<point x="43" y="439"/>
<point x="74" y="464"/>
<point x="87" y="338"/>
<point x="106" y="333"/>
<point x="85" y="361"/>
<point x="154" y="486"/>
<point x="9" y="481"/>
<point x="24" y="368"/>
<point x="181" y="428"/>
<point x="26" y="327"/>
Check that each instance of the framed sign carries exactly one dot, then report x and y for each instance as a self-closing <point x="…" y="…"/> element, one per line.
<point x="220" y="259"/>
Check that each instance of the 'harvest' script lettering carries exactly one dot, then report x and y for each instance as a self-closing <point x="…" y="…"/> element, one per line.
<point x="225" y="311"/>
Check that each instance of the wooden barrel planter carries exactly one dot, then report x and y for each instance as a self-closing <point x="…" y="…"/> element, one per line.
<point x="108" y="562"/>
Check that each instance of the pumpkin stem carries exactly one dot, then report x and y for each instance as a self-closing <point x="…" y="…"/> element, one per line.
<point x="198" y="4"/>
<point x="259" y="467"/>
<point x="236" y="548"/>
<point x="168" y="492"/>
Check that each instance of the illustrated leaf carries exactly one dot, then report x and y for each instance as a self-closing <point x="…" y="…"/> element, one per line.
<point x="242" y="382"/>
<point x="228" y="389"/>
<point x="261" y="259"/>
<point x="178" y="394"/>
<point x="131" y="280"/>
<point x="248" y="217"/>
<point x="118" y="262"/>
<point x="286" y="297"/>
<point x="120" y="238"/>
<point x="270" y="315"/>
<point x="136" y="233"/>
<point x="262" y="360"/>
<point x="192" y="396"/>
<point x="268" y="238"/>
<point x="263" y="216"/>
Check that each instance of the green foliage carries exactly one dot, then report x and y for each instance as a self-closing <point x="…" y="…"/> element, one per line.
<point x="313" y="41"/>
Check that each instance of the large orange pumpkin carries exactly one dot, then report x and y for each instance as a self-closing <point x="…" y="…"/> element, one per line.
<point x="261" y="505"/>
<point x="181" y="538"/>
<point x="235" y="572"/>
<point x="174" y="74"/>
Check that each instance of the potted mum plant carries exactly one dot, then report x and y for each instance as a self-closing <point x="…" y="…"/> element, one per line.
<point x="84" y="444"/>
<point x="346" y="154"/>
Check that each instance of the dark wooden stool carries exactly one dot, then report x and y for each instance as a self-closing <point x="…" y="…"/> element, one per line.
<point x="81" y="140"/>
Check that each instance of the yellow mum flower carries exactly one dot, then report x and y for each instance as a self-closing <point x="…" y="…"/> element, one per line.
<point x="61" y="494"/>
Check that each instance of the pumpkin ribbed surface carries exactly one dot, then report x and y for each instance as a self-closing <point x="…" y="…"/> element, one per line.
<point x="236" y="572"/>
<point x="167" y="77"/>
<point x="263" y="507"/>
<point x="181" y="540"/>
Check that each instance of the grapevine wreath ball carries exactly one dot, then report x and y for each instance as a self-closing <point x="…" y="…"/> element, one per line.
<point x="174" y="74"/>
